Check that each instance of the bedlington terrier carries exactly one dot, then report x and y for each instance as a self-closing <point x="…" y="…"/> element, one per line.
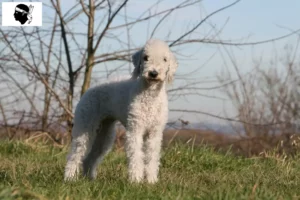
<point x="139" y="103"/>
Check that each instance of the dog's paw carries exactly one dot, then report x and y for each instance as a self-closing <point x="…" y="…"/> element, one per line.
<point x="135" y="178"/>
<point x="152" y="179"/>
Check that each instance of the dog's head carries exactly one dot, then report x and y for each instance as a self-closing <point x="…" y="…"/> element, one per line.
<point x="155" y="62"/>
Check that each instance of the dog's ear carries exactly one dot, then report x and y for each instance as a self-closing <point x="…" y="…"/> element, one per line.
<point x="172" y="68"/>
<point x="136" y="60"/>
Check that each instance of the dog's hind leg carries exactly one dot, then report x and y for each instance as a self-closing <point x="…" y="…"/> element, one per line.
<point x="79" y="147"/>
<point x="104" y="140"/>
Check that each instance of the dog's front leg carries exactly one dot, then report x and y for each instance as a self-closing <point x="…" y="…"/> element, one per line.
<point x="135" y="156"/>
<point x="152" y="154"/>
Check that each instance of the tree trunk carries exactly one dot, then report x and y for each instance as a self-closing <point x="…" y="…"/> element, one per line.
<point x="90" y="49"/>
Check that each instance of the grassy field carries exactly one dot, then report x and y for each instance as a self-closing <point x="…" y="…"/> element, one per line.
<point x="35" y="171"/>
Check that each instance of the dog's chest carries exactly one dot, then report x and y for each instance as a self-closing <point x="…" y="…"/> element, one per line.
<point x="150" y="110"/>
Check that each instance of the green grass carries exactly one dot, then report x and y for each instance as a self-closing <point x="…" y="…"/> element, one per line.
<point x="34" y="171"/>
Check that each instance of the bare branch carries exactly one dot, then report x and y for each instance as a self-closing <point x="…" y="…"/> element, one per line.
<point x="202" y="21"/>
<point x="110" y="19"/>
<point x="223" y="42"/>
<point x="220" y="117"/>
<point x="84" y="8"/>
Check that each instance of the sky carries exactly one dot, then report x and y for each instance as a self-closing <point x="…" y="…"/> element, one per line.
<point x="256" y="20"/>
<point x="247" y="21"/>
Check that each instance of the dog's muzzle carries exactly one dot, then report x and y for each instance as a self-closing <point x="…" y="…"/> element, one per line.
<point x="152" y="74"/>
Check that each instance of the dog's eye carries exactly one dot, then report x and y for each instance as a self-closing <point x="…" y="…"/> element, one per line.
<point x="145" y="58"/>
<point x="165" y="59"/>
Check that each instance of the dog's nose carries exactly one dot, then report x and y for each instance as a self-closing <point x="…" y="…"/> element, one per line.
<point x="153" y="74"/>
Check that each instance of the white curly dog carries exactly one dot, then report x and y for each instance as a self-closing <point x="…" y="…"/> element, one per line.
<point x="139" y="103"/>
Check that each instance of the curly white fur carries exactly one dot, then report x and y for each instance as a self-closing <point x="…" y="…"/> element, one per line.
<point x="139" y="103"/>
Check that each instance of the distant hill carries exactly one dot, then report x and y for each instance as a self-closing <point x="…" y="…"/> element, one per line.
<point x="220" y="128"/>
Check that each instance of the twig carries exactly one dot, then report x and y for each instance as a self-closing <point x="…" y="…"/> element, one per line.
<point x="202" y="21"/>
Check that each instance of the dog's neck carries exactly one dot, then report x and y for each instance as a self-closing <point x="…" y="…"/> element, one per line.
<point x="152" y="89"/>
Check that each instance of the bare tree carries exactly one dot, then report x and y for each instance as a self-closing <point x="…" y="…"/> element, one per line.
<point x="46" y="69"/>
<point x="267" y="100"/>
